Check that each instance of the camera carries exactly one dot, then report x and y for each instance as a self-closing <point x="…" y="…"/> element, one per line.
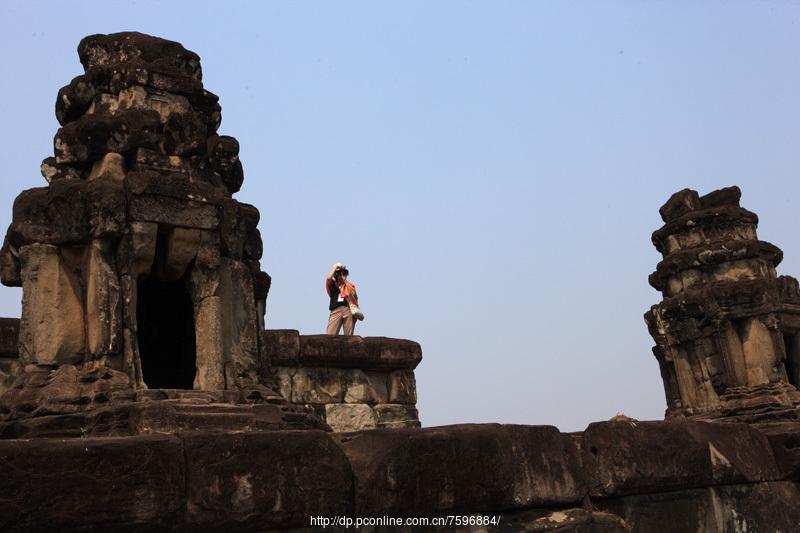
<point x="339" y="271"/>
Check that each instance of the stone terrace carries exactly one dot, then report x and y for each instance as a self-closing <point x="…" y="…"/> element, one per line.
<point x="614" y="477"/>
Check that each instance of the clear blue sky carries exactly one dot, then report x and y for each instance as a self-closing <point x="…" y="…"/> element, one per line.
<point x="490" y="171"/>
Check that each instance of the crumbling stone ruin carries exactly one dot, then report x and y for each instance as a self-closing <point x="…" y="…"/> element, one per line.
<point x="140" y="390"/>
<point x="135" y="259"/>
<point x="727" y="329"/>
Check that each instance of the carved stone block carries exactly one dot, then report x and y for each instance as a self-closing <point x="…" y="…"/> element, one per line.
<point x="174" y="212"/>
<point x="283" y="346"/>
<point x="350" y="416"/>
<point x="137" y="251"/>
<point x="402" y="387"/>
<point x="361" y="387"/>
<point x="397" y="416"/>
<point x="317" y="386"/>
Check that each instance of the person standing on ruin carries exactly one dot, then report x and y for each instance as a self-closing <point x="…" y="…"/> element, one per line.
<point x="343" y="301"/>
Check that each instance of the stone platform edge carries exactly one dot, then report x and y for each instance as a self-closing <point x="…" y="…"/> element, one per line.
<point x="286" y="347"/>
<point x="708" y="475"/>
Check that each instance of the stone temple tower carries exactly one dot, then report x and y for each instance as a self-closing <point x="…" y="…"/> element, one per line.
<point x="727" y="331"/>
<point x="139" y="270"/>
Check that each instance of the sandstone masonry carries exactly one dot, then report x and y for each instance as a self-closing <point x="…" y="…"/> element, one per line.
<point x="727" y="329"/>
<point x="350" y="382"/>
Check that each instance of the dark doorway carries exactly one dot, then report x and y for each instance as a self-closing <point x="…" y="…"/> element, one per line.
<point x="165" y="319"/>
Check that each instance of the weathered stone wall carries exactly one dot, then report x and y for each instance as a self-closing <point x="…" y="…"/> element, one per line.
<point x="351" y="382"/>
<point x="681" y="476"/>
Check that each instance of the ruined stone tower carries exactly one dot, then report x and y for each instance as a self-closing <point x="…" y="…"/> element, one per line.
<point x="138" y="221"/>
<point x="137" y="265"/>
<point x="727" y="329"/>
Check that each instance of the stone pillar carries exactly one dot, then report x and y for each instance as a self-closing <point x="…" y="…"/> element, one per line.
<point x="758" y="351"/>
<point x="103" y="305"/>
<point x="210" y="349"/>
<point x="52" y="325"/>
<point x="240" y="324"/>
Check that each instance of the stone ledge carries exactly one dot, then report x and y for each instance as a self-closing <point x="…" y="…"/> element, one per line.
<point x="693" y="475"/>
<point x="708" y="257"/>
<point x="125" y="484"/>
<point x="282" y="346"/>
<point x="691" y="220"/>
<point x="641" y="457"/>
<point x="213" y="481"/>
<point x="752" y="507"/>
<point x="288" y="348"/>
<point x="462" y="468"/>
<point x="265" y="480"/>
